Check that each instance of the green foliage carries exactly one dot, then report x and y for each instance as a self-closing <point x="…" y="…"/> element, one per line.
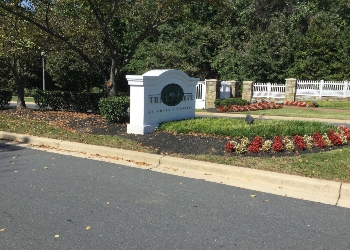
<point x="115" y="108"/>
<point x="239" y="128"/>
<point x="263" y="41"/>
<point x="230" y="101"/>
<point x="67" y="100"/>
<point x="5" y="97"/>
<point x="70" y="73"/>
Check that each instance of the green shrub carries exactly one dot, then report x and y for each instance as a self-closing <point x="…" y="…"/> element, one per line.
<point x="5" y="97"/>
<point x="67" y="100"/>
<point x="230" y="101"/>
<point x="94" y="99"/>
<point x="115" y="108"/>
<point x="40" y="99"/>
<point x="239" y="127"/>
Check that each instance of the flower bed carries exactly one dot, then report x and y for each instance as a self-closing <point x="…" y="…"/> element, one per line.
<point x="296" y="143"/>
<point x="248" y="107"/>
<point x="301" y="104"/>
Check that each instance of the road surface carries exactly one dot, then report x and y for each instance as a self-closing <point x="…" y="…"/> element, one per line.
<point x="53" y="201"/>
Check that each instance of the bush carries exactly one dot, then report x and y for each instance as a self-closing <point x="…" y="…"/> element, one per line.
<point x="230" y="101"/>
<point x="67" y="100"/>
<point x="5" y="97"/>
<point x="115" y="108"/>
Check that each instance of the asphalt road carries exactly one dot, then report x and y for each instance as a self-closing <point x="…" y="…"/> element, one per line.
<point x="53" y="201"/>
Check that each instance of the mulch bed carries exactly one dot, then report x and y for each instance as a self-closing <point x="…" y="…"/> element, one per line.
<point x="161" y="142"/>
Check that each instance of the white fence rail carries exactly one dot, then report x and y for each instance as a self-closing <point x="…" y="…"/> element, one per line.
<point x="323" y="88"/>
<point x="269" y="90"/>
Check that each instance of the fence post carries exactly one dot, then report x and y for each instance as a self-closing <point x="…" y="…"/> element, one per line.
<point x="291" y="89"/>
<point x="212" y="92"/>
<point x="247" y="91"/>
<point x="346" y="84"/>
<point x="234" y="87"/>
<point x="321" y="88"/>
<point x="268" y="90"/>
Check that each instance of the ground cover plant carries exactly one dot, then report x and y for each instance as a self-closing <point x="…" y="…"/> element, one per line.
<point x="301" y="104"/>
<point x="93" y="129"/>
<point x="238" y="128"/>
<point x="248" y="107"/>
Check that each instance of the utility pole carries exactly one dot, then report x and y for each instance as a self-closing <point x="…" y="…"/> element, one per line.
<point x="43" y="60"/>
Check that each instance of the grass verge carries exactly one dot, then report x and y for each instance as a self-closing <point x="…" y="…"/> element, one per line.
<point x="26" y="99"/>
<point x="329" y="165"/>
<point x="341" y="114"/>
<point x="43" y="129"/>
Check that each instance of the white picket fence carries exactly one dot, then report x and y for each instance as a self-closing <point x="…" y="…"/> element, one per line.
<point x="303" y="88"/>
<point x="269" y="90"/>
<point x="323" y="88"/>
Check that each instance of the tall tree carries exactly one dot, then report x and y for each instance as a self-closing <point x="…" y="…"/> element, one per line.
<point x="18" y="51"/>
<point x="91" y="28"/>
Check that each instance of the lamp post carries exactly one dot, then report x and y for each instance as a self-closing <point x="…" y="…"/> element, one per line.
<point x="43" y="60"/>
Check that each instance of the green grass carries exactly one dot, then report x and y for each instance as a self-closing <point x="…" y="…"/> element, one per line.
<point x="26" y="99"/>
<point x="238" y="127"/>
<point x="327" y="104"/>
<point x="37" y="128"/>
<point x="303" y="112"/>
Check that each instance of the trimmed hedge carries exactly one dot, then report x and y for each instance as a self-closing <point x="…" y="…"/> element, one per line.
<point x="230" y="101"/>
<point x="5" y="97"/>
<point x="67" y="100"/>
<point x="115" y="108"/>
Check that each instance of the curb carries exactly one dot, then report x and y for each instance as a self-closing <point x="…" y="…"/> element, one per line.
<point x="323" y="191"/>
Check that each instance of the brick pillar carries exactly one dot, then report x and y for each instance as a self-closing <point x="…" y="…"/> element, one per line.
<point x="212" y="92"/>
<point x="234" y="87"/>
<point x="247" y="91"/>
<point x="291" y="89"/>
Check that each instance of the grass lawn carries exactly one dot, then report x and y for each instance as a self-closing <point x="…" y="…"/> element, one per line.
<point x="325" y="113"/>
<point x="26" y="99"/>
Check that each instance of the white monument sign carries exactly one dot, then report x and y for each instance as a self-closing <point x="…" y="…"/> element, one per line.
<point x="159" y="96"/>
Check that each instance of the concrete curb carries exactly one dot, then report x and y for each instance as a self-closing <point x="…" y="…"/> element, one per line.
<point x="328" y="192"/>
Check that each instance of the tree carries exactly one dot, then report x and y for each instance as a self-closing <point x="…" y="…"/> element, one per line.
<point x="99" y="28"/>
<point x="188" y="44"/>
<point x="18" y="51"/>
<point x="70" y="73"/>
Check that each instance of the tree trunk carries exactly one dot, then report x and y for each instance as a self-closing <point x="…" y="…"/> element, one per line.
<point x="20" y="95"/>
<point x="112" y="78"/>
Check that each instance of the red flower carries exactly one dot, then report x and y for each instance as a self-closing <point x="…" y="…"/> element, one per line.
<point x="334" y="138"/>
<point x="277" y="144"/>
<point x="229" y="148"/>
<point x="255" y="145"/>
<point x="298" y="141"/>
<point x="318" y="140"/>
<point x="345" y="131"/>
